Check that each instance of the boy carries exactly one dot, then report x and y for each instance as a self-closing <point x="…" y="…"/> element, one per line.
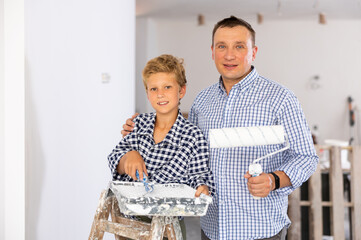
<point x="164" y="145"/>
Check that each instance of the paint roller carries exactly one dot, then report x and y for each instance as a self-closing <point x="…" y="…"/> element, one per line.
<point x="249" y="136"/>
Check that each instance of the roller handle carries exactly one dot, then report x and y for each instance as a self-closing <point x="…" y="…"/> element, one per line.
<point x="255" y="169"/>
<point x="351" y="111"/>
<point x="148" y="186"/>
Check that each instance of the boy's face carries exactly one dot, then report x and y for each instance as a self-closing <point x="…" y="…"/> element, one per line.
<point x="164" y="93"/>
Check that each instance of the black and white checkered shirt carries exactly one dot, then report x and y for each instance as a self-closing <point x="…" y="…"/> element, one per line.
<point x="182" y="156"/>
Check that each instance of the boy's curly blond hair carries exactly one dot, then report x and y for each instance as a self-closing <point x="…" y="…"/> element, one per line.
<point x="165" y="64"/>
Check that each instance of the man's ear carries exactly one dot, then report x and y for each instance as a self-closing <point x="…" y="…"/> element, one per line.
<point x="212" y="52"/>
<point x="254" y="52"/>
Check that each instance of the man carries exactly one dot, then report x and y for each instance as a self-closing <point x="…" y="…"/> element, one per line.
<point x="243" y="98"/>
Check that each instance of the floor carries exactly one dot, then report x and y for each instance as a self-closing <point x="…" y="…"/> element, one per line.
<point x="193" y="228"/>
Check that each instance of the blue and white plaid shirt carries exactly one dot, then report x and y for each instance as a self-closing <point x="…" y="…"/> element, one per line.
<point x="182" y="157"/>
<point x="254" y="101"/>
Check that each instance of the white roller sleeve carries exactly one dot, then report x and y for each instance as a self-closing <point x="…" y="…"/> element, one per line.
<point x="246" y="136"/>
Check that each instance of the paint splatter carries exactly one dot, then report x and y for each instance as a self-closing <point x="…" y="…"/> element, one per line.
<point x="165" y="200"/>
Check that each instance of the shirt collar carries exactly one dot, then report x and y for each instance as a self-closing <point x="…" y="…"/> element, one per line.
<point x="245" y="83"/>
<point x="173" y="137"/>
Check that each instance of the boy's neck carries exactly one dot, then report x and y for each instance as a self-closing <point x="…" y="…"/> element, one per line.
<point x="165" y="121"/>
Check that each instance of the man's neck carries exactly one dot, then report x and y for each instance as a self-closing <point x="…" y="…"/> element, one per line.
<point x="229" y="83"/>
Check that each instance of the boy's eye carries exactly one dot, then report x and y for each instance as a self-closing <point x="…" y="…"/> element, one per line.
<point x="168" y="87"/>
<point x="152" y="89"/>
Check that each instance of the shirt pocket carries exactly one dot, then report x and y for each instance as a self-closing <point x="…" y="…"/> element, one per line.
<point x="179" y="163"/>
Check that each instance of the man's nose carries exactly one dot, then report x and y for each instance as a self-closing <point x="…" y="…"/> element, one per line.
<point x="230" y="54"/>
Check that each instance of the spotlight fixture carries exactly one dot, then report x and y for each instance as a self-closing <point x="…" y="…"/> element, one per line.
<point x="315" y="4"/>
<point x="322" y="18"/>
<point x="279" y="12"/>
<point x="259" y="18"/>
<point x="200" y="20"/>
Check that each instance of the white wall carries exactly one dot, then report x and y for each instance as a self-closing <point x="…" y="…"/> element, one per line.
<point x="290" y="52"/>
<point x="146" y="36"/>
<point x="2" y="125"/>
<point x="308" y="49"/>
<point x="73" y="120"/>
<point x="12" y="115"/>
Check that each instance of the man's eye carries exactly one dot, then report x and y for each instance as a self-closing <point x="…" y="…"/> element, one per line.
<point x="221" y="46"/>
<point x="239" y="46"/>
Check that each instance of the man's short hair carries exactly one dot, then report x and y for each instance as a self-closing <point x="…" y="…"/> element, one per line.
<point x="231" y="22"/>
<point x="165" y="64"/>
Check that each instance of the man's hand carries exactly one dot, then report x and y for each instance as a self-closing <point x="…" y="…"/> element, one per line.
<point x="129" y="125"/>
<point x="202" y="189"/>
<point x="261" y="185"/>
<point x="130" y="163"/>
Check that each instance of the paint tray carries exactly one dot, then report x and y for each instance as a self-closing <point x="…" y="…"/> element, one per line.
<point x="166" y="199"/>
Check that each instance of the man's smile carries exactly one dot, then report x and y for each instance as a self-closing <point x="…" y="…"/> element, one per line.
<point x="230" y="66"/>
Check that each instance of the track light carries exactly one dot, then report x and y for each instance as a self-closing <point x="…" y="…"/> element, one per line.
<point x="322" y="18"/>
<point x="259" y="18"/>
<point x="200" y="20"/>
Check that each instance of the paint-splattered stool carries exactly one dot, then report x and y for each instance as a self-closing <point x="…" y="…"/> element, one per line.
<point x="125" y="228"/>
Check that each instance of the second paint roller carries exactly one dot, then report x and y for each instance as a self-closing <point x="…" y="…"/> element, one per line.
<point x="249" y="136"/>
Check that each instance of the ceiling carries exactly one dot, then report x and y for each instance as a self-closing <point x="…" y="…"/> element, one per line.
<point x="270" y="9"/>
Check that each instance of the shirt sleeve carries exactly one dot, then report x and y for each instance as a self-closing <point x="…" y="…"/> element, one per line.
<point x="192" y="116"/>
<point x="300" y="160"/>
<point x="198" y="169"/>
<point x="128" y="143"/>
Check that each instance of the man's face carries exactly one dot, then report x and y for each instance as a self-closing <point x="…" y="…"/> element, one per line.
<point x="233" y="53"/>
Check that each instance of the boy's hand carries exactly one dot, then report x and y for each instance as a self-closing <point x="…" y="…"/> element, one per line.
<point x="202" y="189"/>
<point x="259" y="186"/>
<point x="129" y="125"/>
<point x="133" y="161"/>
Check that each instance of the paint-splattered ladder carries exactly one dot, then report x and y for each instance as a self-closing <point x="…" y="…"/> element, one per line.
<point x="124" y="228"/>
<point x="327" y="191"/>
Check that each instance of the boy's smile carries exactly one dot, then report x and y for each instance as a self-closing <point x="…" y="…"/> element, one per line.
<point x="163" y="103"/>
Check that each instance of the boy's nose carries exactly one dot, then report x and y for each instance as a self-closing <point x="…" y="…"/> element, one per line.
<point x="160" y="94"/>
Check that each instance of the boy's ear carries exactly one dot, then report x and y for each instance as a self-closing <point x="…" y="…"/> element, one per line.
<point x="182" y="91"/>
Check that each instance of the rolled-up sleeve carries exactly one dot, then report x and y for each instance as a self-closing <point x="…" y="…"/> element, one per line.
<point x="129" y="143"/>
<point x="300" y="160"/>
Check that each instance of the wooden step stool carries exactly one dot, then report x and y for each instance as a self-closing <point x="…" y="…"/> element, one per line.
<point x="125" y="228"/>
